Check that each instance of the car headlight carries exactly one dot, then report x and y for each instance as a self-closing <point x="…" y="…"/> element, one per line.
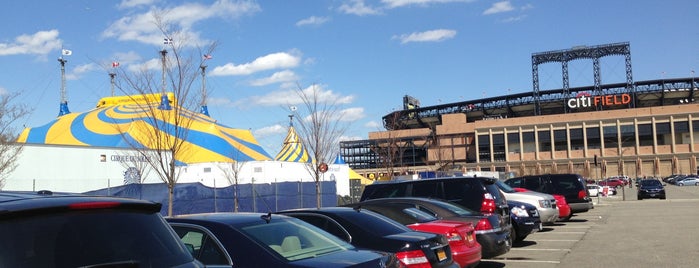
<point x="519" y="212"/>
<point x="545" y="203"/>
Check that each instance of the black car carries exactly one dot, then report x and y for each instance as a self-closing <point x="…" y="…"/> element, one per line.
<point x="46" y="229"/>
<point x="268" y="240"/>
<point x="370" y="230"/>
<point x="525" y="219"/>
<point x="494" y="240"/>
<point x="571" y="186"/>
<point x="650" y="188"/>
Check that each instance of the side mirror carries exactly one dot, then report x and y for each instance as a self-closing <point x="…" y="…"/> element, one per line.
<point x="190" y="248"/>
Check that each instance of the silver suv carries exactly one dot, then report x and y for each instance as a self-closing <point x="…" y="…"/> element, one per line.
<point x="544" y="203"/>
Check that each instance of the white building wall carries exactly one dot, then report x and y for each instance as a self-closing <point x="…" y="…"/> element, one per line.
<point x="72" y="168"/>
<point x="80" y="169"/>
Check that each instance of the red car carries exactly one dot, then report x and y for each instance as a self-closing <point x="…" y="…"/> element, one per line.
<point x="612" y="183"/>
<point x="462" y="239"/>
<point x="564" y="212"/>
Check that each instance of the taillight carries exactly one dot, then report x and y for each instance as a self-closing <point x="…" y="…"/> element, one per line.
<point x="483" y="224"/>
<point x="413" y="259"/>
<point x="454" y="237"/>
<point x="582" y="194"/>
<point x="488" y="205"/>
<point x="94" y="205"/>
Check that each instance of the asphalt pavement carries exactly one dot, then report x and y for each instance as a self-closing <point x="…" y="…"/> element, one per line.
<point x="620" y="231"/>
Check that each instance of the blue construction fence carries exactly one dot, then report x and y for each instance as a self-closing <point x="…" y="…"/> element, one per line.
<point x="197" y="198"/>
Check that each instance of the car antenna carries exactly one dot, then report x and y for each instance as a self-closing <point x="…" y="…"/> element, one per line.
<point x="357" y="208"/>
<point x="267" y="217"/>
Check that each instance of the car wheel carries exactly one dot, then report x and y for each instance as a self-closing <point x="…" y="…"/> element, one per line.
<point x="662" y="197"/>
<point x="640" y="197"/>
<point x="567" y="218"/>
<point x="696" y="184"/>
<point x="680" y="184"/>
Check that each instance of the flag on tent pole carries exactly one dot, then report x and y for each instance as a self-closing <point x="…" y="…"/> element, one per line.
<point x="207" y="56"/>
<point x="167" y="41"/>
<point x="66" y="52"/>
<point x="115" y="64"/>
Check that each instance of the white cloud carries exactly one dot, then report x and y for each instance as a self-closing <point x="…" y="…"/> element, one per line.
<point x="352" y="114"/>
<point x="79" y="70"/>
<point x="513" y="19"/>
<point x="3" y="91"/>
<point x="357" y="7"/>
<point x="39" y="43"/>
<point x="152" y="64"/>
<point x="278" y="77"/>
<point x="499" y="7"/>
<point x="427" y="36"/>
<point x="401" y="3"/>
<point x="219" y="101"/>
<point x="373" y="125"/>
<point x="134" y="3"/>
<point x="272" y="61"/>
<point x="291" y="97"/>
<point x="313" y="20"/>
<point x="270" y="131"/>
<point x="142" y="27"/>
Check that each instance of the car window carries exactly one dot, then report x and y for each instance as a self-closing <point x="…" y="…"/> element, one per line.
<point x="650" y="182"/>
<point x="425" y="189"/>
<point x="504" y="187"/>
<point x="384" y="190"/>
<point x="456" y="209"/>
<point x="419" y="216"/>
<point x="294" y="239"/>
<point x="204" y="248"/>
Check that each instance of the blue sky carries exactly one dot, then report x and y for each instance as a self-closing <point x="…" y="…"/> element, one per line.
<point x="366" y="54"/>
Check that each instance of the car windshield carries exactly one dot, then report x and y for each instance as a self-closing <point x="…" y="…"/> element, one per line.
<point x="295" y="239"/>
<point x="87" y="238"/>
<point x="650" y="182"/>
<point x="504" y="187"/>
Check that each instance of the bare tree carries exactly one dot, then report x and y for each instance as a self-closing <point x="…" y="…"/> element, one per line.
<point x="320" y="131"/>
<point x="232" y="173"/>
<point x="160" y="136"/>
<point x="9" y="149"/>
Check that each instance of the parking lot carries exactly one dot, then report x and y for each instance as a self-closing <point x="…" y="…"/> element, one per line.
<point x="618" y="232"/>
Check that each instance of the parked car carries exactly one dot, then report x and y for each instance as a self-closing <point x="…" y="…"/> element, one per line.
<point x="650" y="188"/>
<point x="545" y="204"/>
<point x="465" y="249"/>
<point x="525" y="220"/>
<point x="493" y="240"/>
<point x="571" y="186"/>
<point x="46" y="229"/>
<point x="369" y="230"/>
<point x="687" y="180"/>
<point x="269" y="240"/>
<point x="596" y="189"/>
<point x="612" y="182"/>
<point x="564" y="213"/>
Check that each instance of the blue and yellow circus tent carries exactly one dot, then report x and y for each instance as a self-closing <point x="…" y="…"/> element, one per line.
<point x="293" y="149"/>
<point x="125" y="122"/>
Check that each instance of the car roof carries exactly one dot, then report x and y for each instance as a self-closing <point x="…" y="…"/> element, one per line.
<point x="487" y="179"/>
<point x="225" y="217"/>
<point x="25" y="201"/>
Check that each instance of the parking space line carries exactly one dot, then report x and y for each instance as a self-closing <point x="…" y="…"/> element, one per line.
<point x="553" y="233"/>
<point x="521" y="261"/>
<point x="557" y="240"/>
<point x="541" y="249"/>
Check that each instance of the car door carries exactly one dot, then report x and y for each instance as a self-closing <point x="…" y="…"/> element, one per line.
<point x="203" y="245"/>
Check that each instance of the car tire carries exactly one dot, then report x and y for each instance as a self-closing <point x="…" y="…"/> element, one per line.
<point x="680" y="184"/>
<point x="567" y="218"/>
<point x="639" y="197"/>
<point x="662" y="197"/>
<point x="696" y="184"/>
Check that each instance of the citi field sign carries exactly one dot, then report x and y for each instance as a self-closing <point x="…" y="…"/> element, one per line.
<point x="584" y="99"/>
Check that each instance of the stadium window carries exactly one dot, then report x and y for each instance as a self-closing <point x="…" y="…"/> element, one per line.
<point x="645" y="134"/>
<point x="628" y="136"/>
<point x="528" y="142"/>
<point x="513" y="142"/>
<point x="544" y="140"/>
<point x="681" y="129"/>
<point x="662" y="132"/>
<point x="560" y="139"/>
<point x="484" y="148"/>
<point x="611" y="137"/>
<point x="499" y="147"/>
<point x="577" y="141"/>
<point x="593" y="138"/>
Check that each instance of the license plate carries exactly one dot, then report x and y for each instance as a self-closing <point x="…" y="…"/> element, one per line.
<point x="441" y="255"/>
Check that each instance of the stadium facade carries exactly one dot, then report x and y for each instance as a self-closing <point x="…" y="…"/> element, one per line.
<point x="644" y="128"/>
